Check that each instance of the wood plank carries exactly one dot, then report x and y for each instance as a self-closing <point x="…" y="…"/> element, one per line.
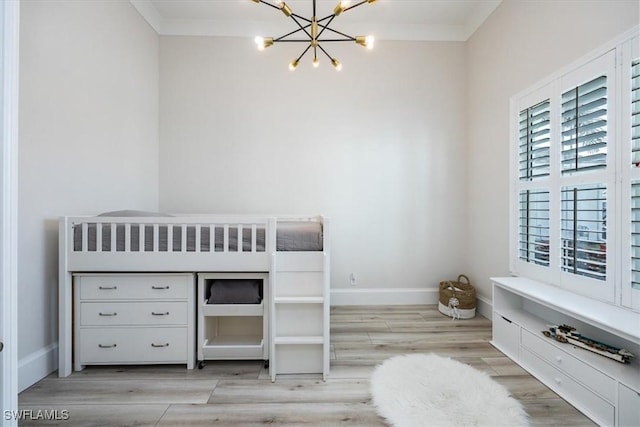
<point x="290" y="390"/>
<point x="94" y="415"/>
<point x="120" y="391"/>
<point x="260" y="414"/>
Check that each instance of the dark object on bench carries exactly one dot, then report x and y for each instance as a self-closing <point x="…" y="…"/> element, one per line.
<point x="235" y="291"/>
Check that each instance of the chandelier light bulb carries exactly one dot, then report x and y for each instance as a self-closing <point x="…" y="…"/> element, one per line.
<point x="263" y="42"/>
<point x="294" y="64"/>
<point x="341" y="6"/>
<point x="336" y="64"/>
<point x="316" y="63"/>
<point x="259" y="42"/>
<point x="284" y="7"/>
<point x="369" y="42"/>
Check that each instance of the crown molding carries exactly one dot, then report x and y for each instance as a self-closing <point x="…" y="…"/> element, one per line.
<point x="235" y="28"/>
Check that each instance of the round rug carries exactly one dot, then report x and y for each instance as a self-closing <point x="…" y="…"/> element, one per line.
<point x="429" y="390"/>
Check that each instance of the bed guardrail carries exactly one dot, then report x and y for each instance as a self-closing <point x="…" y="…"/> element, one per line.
<point x="166" y="234"/>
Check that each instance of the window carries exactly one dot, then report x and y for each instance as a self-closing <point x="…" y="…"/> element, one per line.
<point x="534" y="132"/>
<point x="635" y="112"/>
<point x="635" y="185"/>
<point x="584" y="126"/>
<point x="534" y="226"/>
<point x="575" y="195"/>
<point x="583" y="230"/>
<point x="635" y="235"/>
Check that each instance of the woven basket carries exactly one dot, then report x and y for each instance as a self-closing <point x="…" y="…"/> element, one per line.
<point x="457" y="298"/>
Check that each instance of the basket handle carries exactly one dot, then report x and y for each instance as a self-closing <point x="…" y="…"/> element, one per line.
<point x="465" y="278"/>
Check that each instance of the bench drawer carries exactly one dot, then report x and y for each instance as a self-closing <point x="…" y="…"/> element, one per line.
<point x="588" y="375"/>
<point x="575" y="393"/>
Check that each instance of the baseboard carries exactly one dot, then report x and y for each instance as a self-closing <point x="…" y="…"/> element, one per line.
<point x="484" y="307"/>
<point x="384" y="296"/>
<point x="36" y="366"/>
<point x="398" y="296"/>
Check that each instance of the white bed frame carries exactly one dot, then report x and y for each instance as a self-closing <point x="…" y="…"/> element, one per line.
<point x="179" y="259"/>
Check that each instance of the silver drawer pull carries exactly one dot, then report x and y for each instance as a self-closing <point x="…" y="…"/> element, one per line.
<point x="159" y="287"/>
<point x="107" y="346"/>
<point x="153" y="313"/>
<point x="159" y="345"/>
<point x="108" y="314"/>
<point x="107" y="288"/>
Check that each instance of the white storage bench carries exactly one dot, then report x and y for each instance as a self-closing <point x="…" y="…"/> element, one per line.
<point x="605" y="390"/>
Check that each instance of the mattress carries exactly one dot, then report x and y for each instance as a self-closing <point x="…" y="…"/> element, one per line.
<point x="290" y="236"/>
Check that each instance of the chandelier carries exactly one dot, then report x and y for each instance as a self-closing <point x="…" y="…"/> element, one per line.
<point x="313" y="29"/>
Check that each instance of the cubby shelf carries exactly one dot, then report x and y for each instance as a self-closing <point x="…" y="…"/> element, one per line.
<point x="232" y="331"/>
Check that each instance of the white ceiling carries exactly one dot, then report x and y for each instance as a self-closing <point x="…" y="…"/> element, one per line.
<point x="452" y="20"/>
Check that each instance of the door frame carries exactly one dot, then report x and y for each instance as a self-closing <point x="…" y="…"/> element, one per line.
<point x="10" y="20"/>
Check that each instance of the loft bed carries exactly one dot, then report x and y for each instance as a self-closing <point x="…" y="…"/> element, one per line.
<point x="288" y="248"/>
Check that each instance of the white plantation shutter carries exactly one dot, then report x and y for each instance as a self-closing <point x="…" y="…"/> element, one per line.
<point x="635" y="235"/>
<point x="635" y="112"/>
<point x="534" y="226"/>
<point x="584" y="230"/>
<point x="535" y="136"/>
<point x="575" y="177"/>
<point x="584" y="126"/>
<point x="634" y="87"/>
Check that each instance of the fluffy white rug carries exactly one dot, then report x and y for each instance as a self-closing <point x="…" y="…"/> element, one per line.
<point x="429" y="390"/>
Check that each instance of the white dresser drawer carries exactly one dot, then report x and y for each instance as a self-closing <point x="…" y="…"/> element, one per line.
<point x="132" y="286"/>
<point x="133" y="313"/>
<point x="133" y="345"/>
<point x="588" y="375"/>
<point x="579" y="396"/>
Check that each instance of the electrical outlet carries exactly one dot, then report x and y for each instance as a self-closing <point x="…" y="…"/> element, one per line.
<point x="352" y="279"/>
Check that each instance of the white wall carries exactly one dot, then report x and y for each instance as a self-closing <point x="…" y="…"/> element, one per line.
<point x="521" y="43"/>
<point x="379" y="147"/>
<point x="88" y="142"/>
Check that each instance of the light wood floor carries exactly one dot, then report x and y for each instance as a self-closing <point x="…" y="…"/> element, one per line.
<point x="241" y="393"/>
